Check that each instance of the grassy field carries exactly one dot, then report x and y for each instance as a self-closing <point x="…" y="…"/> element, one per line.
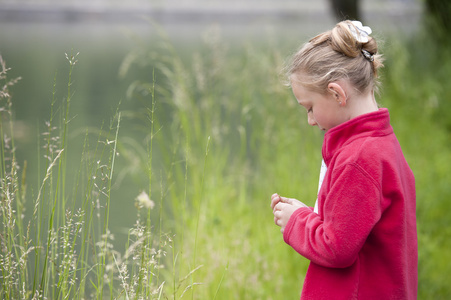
<point x="216" y="133"/>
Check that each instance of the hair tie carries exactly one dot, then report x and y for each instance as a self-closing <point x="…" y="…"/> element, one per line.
<point x="368" y="55"/>
<point x="360" y="32"/>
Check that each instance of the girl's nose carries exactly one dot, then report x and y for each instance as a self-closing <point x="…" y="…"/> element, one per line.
<point x="311" y="120"/>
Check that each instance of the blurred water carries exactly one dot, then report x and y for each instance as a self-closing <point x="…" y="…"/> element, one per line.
<point x="35" y="35"/>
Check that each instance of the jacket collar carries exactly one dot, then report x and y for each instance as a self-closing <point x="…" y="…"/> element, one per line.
<point x="371" y="124"/>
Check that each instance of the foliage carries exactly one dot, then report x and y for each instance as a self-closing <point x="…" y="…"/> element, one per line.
<point x="417" y="93"/>
<point x="216" y="134"/>
<point x="437" y="19"/>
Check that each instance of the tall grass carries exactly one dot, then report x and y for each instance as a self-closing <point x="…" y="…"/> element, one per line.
<point x="215" y="133"/>
<point x="62" y="249"/>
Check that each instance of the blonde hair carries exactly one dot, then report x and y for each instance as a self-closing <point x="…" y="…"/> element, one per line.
<point x="335" y="55"/>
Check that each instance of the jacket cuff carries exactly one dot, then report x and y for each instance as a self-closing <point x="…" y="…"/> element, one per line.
<point x="292" y="221"/>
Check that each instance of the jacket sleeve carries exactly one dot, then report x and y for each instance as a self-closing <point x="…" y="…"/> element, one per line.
<point x="350" y="210"/>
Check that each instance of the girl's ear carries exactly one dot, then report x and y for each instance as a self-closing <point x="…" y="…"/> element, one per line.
<point x="338" y="93"/>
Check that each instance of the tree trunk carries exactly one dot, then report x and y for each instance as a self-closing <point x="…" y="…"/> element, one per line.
<point x="439" y="16"/>
<point x="345" y="9"/>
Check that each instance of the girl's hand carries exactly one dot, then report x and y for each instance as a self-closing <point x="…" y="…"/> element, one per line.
<point x="275" y="199"/>
<point x="283" y="208"/>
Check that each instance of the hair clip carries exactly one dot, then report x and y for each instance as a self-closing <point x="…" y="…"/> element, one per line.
<point x="368" y="55"/>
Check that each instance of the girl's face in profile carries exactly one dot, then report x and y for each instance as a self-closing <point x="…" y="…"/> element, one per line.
<point x="322" y="109"/>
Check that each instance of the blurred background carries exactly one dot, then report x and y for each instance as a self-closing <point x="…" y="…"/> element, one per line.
<point x="120" y="45"/>
<point x="36" y="35"/>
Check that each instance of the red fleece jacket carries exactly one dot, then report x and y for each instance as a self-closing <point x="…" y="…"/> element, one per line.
<point x="362" y="244"/>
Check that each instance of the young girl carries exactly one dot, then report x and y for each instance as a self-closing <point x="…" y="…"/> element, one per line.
<point x="361" y="238"/>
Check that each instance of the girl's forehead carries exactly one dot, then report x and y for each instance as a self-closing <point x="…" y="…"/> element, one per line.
<point x="301" y="93"/>
<point x="299" y="85"/>
<point x="302" y="80"/>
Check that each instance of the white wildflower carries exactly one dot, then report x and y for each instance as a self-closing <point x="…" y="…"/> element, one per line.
<point x="144" y="201"/>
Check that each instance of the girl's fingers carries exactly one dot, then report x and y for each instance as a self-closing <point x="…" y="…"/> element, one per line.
<point x="283" y="199"/>
<point x="277" y="217"/>
<point x="275" y="198"/>
<point x="277" y="209"/>
<point x="286" y="200"/>
<point x="277" y="221"/>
